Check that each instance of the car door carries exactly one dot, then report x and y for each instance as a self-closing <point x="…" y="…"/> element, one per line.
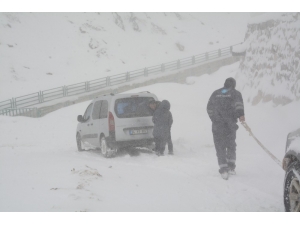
<point x="85" y="125"/>
<point x="100" y="122"/>
<point x="103" y="123"/>
<point x="129" y="125"/>
<point x="94" y="126"/>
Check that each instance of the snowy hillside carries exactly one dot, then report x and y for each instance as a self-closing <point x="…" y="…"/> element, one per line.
<point x="42" y="170"/>
<point x="270" y="70"/>
<point x="46" y="50"/>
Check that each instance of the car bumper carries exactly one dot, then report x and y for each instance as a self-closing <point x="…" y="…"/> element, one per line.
<point x="148" y="143"/>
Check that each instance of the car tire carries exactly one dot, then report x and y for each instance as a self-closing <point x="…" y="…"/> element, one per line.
<point x="79" y="143"/>
<point x="292" y="189"/>
<point x="106" y="151"/>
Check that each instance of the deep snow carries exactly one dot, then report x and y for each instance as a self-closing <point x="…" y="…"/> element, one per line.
<point x="41" y="169"/>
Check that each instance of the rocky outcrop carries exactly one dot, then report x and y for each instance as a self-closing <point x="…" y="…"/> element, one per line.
<point x="270" y="70"/>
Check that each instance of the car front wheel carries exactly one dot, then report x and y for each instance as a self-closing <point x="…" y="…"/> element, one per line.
<point x="292" y="189"/>
<point x="79" y="142"/>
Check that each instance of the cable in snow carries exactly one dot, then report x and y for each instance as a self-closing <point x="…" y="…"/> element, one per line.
<point x="263" y="147"/>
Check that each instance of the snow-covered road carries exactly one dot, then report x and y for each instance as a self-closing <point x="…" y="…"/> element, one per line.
<point x="41" y="169"/>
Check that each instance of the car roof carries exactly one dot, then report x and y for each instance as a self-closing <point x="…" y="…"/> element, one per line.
<point x="117" y="96"/>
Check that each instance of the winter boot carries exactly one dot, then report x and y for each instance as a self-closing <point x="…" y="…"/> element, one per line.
<point x="158" y="153"/>
<point x="224" y="172"/>
<point x="232" y="172"/>
<point x="225" y="175"/>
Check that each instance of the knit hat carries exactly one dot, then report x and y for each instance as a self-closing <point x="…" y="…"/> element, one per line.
<point x="230" y="83"/>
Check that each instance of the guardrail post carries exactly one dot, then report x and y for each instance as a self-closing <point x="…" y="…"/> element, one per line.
<point x="178" y="64"/>
<point x="206" y="56"/>
<point x="127" y="76"/>
<point x="40" y="96"/>
<point x="219" y="52"/>
<point x="162" y="67"/>
<point x="64" y="91"/>
<point x="146" y="72"/>
<point x="38" y="112"/>
<point x="87" y="86"/>
<point x="107" y="81"/>
<point x="231" y="49"/>
<point x="193" y="60"/>
<point x="13" y="103"/>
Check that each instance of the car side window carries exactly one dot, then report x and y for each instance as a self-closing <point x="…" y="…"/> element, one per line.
<point x="104" y="109"/>
<point x="87" y="112"/>
<point x="96" y="110"/>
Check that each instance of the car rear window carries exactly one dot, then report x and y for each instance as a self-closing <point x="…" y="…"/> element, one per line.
<point x="132" y="107"/>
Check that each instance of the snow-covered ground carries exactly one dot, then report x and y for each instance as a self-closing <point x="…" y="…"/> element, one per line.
<point x="41" y="169"/>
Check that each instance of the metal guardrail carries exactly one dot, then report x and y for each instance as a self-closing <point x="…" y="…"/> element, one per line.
<point x="6" y="104"/>
<point x="29" y="112"/>
<point x="79" y="88"/>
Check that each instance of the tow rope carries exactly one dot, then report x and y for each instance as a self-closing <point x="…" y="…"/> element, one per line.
<point x="261" y="145"/>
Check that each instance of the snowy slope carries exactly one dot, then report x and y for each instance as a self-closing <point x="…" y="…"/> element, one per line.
<point x="47" y="50"/>
<point x="41" y="169"/>
<point x="270" y="70"/>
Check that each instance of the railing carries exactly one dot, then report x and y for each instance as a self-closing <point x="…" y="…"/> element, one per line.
<point x="76" y="89"/>
<point x="29" y="112"/>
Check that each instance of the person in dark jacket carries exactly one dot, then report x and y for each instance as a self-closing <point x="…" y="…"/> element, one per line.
<point x="169" y="141"/>
<point x="162" y="119"/>
<point x="224" y="107"/>
<point x="146" y="108"/>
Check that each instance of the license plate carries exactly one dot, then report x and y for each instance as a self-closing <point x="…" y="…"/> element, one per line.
<point x="140" y="131"/>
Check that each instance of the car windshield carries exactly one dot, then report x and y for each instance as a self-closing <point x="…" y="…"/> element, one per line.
<point x="133" y="107"/>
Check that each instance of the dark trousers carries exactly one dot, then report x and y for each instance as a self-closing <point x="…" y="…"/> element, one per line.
<point x="160" y="144"/>
<point x="170" y="144"/>
<point x="224" y="138"/>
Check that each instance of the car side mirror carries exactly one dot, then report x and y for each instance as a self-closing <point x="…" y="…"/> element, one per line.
<point x="80" y="118"/>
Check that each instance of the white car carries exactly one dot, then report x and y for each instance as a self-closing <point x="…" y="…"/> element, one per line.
<point x="110" y="122"/>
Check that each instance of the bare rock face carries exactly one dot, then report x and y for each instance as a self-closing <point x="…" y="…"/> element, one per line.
<point x="180" y="46"/>
<point x="270" y="70"/>
<point x="93" y="44"/>
<point x="157" y="29"/>
<point x="133" y="19"/>
<point x="118" y="20"/>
